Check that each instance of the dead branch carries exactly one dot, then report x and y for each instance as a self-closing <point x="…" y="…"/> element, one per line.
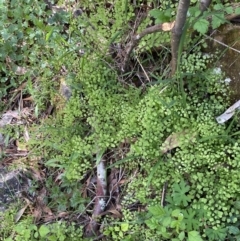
<point x="100" y="200"/>
<point x="136" y="39"/>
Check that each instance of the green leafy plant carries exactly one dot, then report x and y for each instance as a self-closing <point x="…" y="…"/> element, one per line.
<point x="217" y="14"/>
<point x="103" y="114"/>
<point x="174" y="221"/>
<point x="171" y="224"/>
<point x="161" y="16"/>
<point x="179" y="195"/>
<point x="118" y="231"/>
<point x="57" y="231"/>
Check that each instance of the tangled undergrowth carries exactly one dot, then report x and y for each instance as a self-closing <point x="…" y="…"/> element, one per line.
<point x="172" y="170"/>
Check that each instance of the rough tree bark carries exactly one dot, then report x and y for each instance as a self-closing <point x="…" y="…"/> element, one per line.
<point x="177" y="32"/>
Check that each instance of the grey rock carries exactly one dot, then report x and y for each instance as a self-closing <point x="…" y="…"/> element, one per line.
<point x="12" y="183"/>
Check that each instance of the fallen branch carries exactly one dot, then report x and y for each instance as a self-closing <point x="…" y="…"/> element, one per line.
<point x="100" y="200"/>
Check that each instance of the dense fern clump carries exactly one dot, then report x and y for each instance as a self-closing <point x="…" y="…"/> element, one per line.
<point x="102" y="113"/>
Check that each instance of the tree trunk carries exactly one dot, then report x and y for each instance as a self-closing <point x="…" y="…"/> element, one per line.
<point x="204" y="4"/>
<point x="177" y="32"/>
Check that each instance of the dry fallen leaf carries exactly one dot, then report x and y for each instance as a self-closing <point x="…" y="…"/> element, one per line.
<point x="20" y="88"/>
<point x="20" y="70"/>
<point x="37" y="213"/>
<point x="115" y="213"/>
<point x="36" y="174"/>
<point x="21" y="211"/>
<point x="176" y="139"/>
<point x="26" y="134"/>
<point x="30" y="98"/>
<point x="8" y="116"/>
<point x="39" y="204"/>
<point x="21" y="146"/>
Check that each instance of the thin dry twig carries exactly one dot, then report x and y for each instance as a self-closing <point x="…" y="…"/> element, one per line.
<point x="223" y="44"/>
<point x="121" y="174"/>
<point x="145" y="73"/>
<point x="163" y="193"/>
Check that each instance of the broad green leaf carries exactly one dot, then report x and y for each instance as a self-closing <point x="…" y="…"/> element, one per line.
<point x="233" y="230"/>
<point x="229" y="10"/>
<point x="116" y="228"/>
<point x="201" y="26"/>
<point x="156" y="211"/>
<point x="166" y="234"/>
<point x="216" y="234"/>
<point x="155" y="13"/>
<point x="193" y="10"/>
<point x="166" y="221"/>
<point x="120" y="233"/>
<point x="124" y="227"/>
<point x="175" y="224"/>
<point x="218" y="6"/>
<point x="181" y="236"/>
<point x="163" y="229"/>
<point x="36" y="234"/>
<point x="179" y="195"/>
<point x="176" y="212"/>
<point x="217" y="20"/>
<point x="237" y="205"/>
<point x="161" y="16"/>
<point x="151" y="223"/>
<point x="197" y="13"/>
<point x="191" y="219"/>
<point x="237" y="10"/>
<point x="43" y="231"/>
<point x="194" y="236"/>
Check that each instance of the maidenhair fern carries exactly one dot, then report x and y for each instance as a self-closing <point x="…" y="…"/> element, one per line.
<point x="200" y="174"/>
